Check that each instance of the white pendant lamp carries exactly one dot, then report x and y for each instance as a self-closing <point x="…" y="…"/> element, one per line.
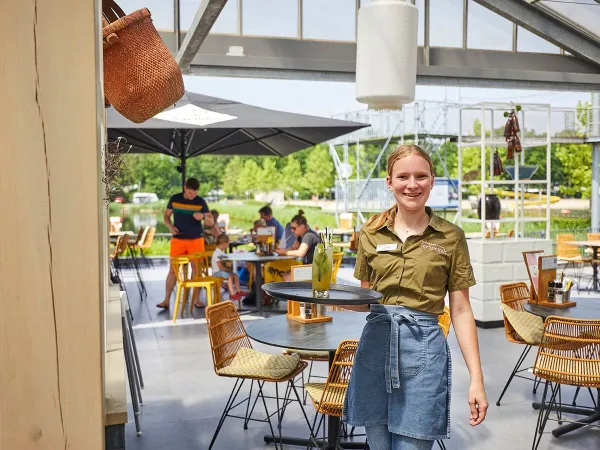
<point x="386" y="54"/>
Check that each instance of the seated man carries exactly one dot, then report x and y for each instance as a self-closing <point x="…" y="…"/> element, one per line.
<point x="266" y="214"/>
<point x="220" y="270"/>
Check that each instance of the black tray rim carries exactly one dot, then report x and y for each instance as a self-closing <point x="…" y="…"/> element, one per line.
<point x="370" y="296"/>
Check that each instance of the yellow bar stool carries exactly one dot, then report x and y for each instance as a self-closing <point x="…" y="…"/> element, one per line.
<point x="186" y="281"/>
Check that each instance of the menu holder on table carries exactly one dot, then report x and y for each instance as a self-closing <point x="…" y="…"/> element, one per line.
<point x="299" y="311"/>
<point x="542" y="270"/>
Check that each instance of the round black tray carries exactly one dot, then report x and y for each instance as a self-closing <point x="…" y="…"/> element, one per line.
<point x="339" y="294"/>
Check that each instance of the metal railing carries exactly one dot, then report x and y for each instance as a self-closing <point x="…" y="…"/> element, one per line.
<point x="441" y="119"/>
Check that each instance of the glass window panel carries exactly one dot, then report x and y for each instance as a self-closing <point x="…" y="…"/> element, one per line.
<point x="331" y="20"/>
<point x="446" y="23"/>
<point x="585" y="13"/>
<point x="226" y="23"/>
<point x="161" y="10"/>
<point x="420" y="4"/>
<point x="270" y="17"/>
<point x="529" y="42"/>
<point x="487" y="30"/>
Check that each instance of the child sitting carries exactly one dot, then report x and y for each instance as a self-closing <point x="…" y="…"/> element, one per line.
<point x="220" y="270"/>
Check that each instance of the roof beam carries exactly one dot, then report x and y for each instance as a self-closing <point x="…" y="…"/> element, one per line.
<point x="547" y="26"/>
<point x="282" y="58"/>
<point x="205" y="17"/>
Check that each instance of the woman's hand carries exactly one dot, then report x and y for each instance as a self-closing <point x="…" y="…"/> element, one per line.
<point x="281" y="251"/>
<point x="477" y="403"/>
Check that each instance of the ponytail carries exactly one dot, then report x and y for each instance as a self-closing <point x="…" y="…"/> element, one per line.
<point x="379" y="220"/>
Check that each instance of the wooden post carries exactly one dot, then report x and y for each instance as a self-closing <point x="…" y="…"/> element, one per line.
<point x="51" y="275"/>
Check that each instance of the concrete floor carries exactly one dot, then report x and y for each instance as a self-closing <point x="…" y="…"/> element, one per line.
<point x="183" y="398"/>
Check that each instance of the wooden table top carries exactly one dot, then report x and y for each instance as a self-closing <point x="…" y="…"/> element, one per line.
<point x="280" y="331"/>
<point x="586" y="308"/>
<point x="584" y="243"/>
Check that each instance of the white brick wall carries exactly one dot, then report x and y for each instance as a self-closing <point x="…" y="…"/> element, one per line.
<point x="496" y="262"/>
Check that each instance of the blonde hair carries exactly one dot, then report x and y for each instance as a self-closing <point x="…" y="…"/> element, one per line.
<point x="378" y="220"/>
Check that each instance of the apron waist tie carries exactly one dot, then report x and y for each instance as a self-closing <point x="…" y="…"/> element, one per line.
<point x="392" y="357"/>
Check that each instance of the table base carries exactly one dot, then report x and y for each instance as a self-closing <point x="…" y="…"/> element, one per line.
<point x="302" y="442"/>
<point x="592" y="416"/>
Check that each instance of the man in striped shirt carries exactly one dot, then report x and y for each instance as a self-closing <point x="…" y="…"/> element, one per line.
<point x="188" y="211"/>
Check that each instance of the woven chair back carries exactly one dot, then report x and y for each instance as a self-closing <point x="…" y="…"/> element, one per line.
<point x="332" y="401"/>
<point x="226" y="332"/>
<point x="570" y="352"/>
<point x="514" y="295"/>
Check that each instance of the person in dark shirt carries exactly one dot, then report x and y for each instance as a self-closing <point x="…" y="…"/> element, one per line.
<point x="306" y="240"/>
<point x="188" y="211"/>
<point x="266" y="213"/>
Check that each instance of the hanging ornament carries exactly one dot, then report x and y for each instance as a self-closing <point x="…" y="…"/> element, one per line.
<point x="510" y="132"/>
<point x="386" y="54"/>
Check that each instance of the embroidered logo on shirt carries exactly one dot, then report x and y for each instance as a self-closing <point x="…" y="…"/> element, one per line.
<point x="435" y="247"/>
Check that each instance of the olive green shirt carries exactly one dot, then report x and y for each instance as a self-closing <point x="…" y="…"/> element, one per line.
<point x="416" y="273"/>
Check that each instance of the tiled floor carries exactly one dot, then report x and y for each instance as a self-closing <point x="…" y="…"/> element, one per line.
<point x="183" y="398"/>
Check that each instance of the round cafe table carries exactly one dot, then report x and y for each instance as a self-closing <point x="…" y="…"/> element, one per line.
<point x="258" y="262"/>
<point x="586" y="308"/>
<point x="279" y="331"/>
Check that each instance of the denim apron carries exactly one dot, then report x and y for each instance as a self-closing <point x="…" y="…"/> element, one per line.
<point x="401" y="375"/>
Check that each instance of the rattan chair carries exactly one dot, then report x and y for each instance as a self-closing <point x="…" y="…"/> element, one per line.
<point x="133" y="246"/>
<point x="570" y="254"/>
<point x="515" y="295"/>
<point x="589" y="251"/>
<point x="445" y="321"/>
<point x="228" y="339"/>
<point x="328" y="397"/>
<point x="146" y="243"/>
<point x="568" y="354"/>
<point x="119" y="251"/>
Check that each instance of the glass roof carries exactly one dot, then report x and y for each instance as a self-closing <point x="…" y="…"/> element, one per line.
<point x="583" y="13"/>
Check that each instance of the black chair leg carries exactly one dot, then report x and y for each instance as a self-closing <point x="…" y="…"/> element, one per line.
<point x="544" y="414"/>
<point x="230" y="401"/>
<point x="515" y="371"/>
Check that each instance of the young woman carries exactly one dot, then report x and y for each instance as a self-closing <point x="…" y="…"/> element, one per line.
<point x="306" y="240"/>
<point x="400" y="385"/>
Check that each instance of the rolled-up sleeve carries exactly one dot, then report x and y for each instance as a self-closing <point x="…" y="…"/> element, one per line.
<point x="461" y="272"/>
<point x="362" y="270"/>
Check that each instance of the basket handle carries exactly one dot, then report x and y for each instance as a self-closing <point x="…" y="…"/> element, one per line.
<point x="111" y="11"/>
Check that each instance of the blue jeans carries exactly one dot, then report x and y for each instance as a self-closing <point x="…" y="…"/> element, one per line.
<point x="380" y="438"/>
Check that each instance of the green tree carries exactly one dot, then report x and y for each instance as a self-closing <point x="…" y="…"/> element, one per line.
<point x="576" y="161"/>
<point x="269" y="175"/>
<point x="230" y="179"/>
<point x="155" y="173"/>
<point x="249" y="177"/>
<point x="319" y="171"/>
<point x="291" y="176"/>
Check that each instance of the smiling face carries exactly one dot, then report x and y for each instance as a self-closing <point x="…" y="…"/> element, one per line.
<point x="411" y="181"/>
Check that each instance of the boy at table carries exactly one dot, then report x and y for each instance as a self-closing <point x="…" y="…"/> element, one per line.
<point x="220" y="269"/>
<point x="189" y="211"/>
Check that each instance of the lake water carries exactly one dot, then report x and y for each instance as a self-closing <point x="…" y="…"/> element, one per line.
<point x="133" y="220"/>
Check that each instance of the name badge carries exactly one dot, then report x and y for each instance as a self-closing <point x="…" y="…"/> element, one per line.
<point x="386" y="247"/>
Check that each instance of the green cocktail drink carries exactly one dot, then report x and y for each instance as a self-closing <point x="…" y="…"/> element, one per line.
<point x="321" y="271"/>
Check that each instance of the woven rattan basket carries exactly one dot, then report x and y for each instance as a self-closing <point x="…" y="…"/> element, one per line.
<point x="141" y="77"/>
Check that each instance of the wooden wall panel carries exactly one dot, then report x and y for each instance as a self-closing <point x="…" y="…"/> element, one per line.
<point x="50" y="275"/>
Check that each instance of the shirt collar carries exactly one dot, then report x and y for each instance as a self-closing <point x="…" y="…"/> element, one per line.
<point x="434" y="220"/>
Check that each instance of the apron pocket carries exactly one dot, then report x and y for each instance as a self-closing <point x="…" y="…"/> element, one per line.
<point x="412" y="349"/>
<point x="373" y="345"/>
